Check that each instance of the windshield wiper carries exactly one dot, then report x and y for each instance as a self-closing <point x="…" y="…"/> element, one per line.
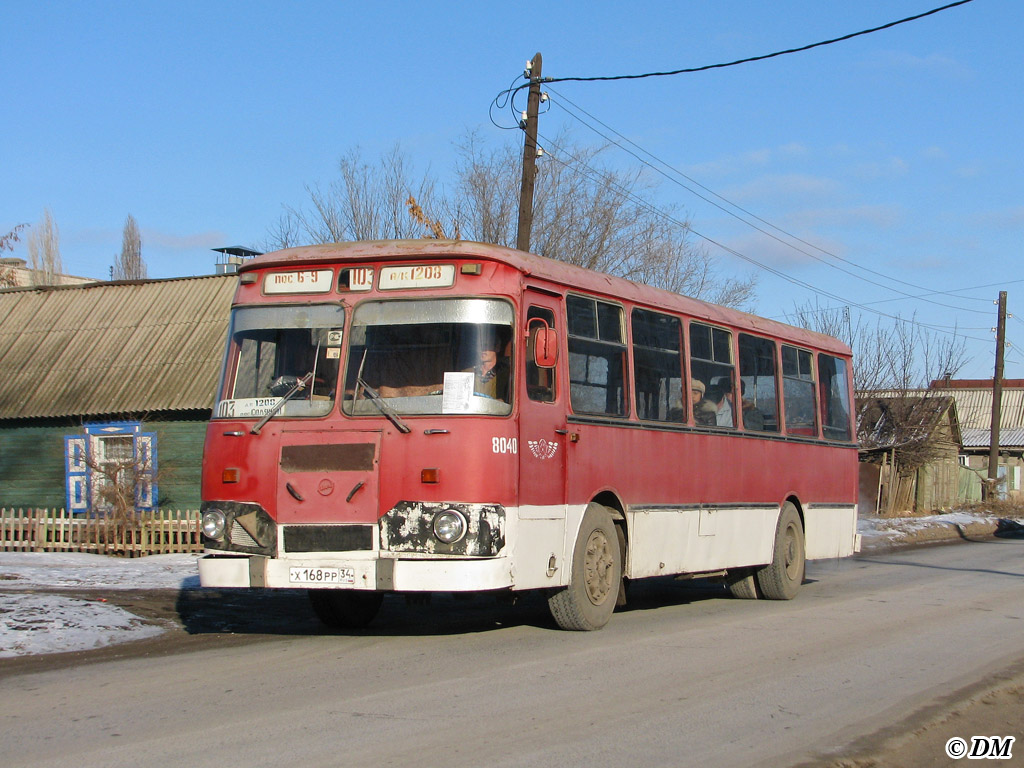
<point x="382" y="406"/>
<point x="298" y="387"/>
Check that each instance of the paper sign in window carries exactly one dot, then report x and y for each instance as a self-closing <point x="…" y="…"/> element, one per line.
<point x="458" y="392"/>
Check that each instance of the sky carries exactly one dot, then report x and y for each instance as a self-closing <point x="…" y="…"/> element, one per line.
<point x="859" y="174"/>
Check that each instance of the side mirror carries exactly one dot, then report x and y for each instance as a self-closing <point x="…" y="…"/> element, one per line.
<point x="545" y="349"/>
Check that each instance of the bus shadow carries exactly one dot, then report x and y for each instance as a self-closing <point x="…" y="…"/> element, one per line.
<point x="664" y="592"/>
<point x="288" y="612"/>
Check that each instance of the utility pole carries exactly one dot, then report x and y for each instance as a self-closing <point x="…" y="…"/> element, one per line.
<point x="997" y="401"/>
<point x="529" y="155"/>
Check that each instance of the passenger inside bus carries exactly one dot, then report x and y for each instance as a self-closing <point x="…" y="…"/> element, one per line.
<point x="703" y="412"/>
<point x="716" y="408"/>
<point x="752" y="416"/>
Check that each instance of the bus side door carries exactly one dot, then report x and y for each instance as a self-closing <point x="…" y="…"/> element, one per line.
<point x="543" y="440"/>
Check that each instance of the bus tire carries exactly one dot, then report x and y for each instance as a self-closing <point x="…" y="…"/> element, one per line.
<point x="595" y="577"/>
<point x="742" y="583"/>
<point x="781" y="579"/>
<point x="345" y="609"/>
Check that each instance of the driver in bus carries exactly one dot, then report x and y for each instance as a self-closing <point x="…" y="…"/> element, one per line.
<point x="492" y="372"/>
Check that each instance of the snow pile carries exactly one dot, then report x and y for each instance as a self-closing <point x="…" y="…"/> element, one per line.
<point x="35" y="622"/>
<point x="901" y="527"/>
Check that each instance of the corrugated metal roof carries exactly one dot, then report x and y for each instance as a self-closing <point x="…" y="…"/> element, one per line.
<point x="979" y="438"/>
<point x="887" y="422"/>
<point x="974" y="407"/>
<point x="108" y="348"/>
<point x="974" y="404"/>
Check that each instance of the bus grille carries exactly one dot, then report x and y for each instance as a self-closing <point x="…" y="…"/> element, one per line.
<point x="328" y="538"/>
<point x="241" y="537"/>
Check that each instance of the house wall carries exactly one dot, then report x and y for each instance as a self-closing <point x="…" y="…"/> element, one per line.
<point x="32" y="461"/>
<point x="938" y="482"/>
<point x="1014" y="463"/>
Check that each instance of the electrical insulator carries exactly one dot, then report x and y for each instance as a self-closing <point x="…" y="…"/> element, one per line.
<point x="528" y="70"/>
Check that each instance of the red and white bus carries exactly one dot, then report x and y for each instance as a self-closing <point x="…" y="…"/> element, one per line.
<point x="449" y="416"/>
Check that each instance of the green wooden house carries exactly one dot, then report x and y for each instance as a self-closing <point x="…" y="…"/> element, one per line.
<point x="107" y="375"/>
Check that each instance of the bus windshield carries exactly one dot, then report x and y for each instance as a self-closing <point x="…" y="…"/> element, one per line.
<point x="430" y="356"/>
<point x="279" y="351"/>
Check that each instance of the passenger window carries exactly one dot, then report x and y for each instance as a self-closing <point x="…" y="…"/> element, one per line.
<point x="798" y="391"/>
<point x="657" y="363"/>
<point x="711" y="372"/>
<point x="597" y="357"/>
<point x="758" y="384"/>
<point x="835" y="397"/>
<point x="540" y="382"/>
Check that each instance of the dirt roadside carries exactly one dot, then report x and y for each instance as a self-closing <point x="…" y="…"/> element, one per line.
<point x="991" y="707"/>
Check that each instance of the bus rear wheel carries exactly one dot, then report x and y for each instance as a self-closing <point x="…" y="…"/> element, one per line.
<point x="595" y="577"/>
<point x="345" y="609"/>
<point x="781" y="579"/>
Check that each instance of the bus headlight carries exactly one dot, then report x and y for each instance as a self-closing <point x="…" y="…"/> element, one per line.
<point x="450" y="526"/>
<point x="214" y="523"/>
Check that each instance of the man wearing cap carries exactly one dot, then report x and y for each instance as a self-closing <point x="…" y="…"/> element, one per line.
<point x="703" y="410"/>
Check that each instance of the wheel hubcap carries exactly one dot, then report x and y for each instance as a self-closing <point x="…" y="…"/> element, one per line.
<point x="792" y="554"/>
<point x="598" y="567"/>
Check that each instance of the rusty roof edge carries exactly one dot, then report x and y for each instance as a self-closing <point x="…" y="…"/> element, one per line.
<point x="535" y="265"/>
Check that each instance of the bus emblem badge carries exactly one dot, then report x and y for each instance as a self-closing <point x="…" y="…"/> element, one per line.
<point x="542" y="449"/>
<point x="325" y="488"/>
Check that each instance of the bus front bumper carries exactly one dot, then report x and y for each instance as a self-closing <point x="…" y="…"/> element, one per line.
<point x="376" y="574"/>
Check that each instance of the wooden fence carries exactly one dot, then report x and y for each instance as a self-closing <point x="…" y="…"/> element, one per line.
<point x="148" y="533"/>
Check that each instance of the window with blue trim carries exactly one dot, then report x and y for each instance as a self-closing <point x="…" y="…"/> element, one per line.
<point x="109" y="467"/>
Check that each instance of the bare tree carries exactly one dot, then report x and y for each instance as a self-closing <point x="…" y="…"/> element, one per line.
<point x="899" y="356"/>
<point x="8" y="277"/>
<point x="130" y="265"/>
<point x="44" y="251"/>
<point x="590" y="216"/>
<point x="122" y="480"/>
<point x="898" y="415"/>
<point x="366" y="202"/>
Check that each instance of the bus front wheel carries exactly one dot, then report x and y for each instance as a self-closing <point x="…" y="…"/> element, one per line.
<point x="595" y="577"/>
<point x="345" y="609"/>
<point x="782" y="577"/>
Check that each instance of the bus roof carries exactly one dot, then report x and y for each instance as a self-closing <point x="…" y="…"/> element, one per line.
<point x="532" y="265"/>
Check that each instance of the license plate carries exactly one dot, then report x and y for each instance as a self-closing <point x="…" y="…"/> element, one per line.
<point x="321" y="575"/>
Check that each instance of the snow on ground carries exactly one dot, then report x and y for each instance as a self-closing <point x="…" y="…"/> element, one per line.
<point x="35" y="624"/>
<point x="897" y="529"/>
<point x="34" y="621"/>
<point x="32" y="570"/>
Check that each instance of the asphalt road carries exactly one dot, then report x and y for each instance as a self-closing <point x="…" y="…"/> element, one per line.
<point x="684" y="677"/>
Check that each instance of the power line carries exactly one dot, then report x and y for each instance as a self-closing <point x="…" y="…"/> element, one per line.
<point x="508" y="95"/>
<point x="729" y="212"/>
<point x="594" y="173"/>
<point x="762" y="57"/>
